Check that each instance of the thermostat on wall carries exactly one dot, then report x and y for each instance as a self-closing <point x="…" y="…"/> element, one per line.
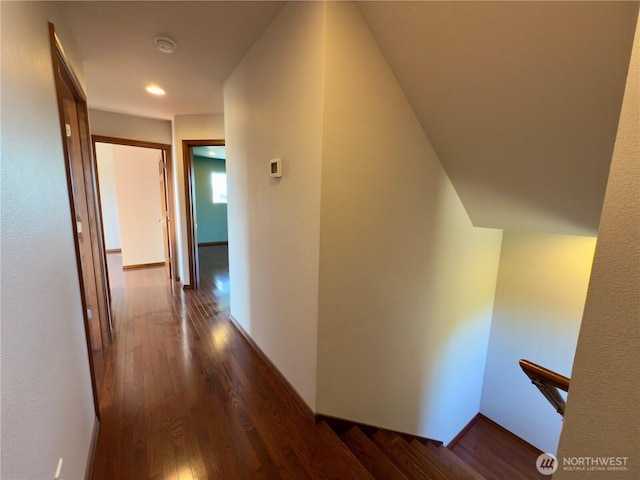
<point x="275" y="168"/>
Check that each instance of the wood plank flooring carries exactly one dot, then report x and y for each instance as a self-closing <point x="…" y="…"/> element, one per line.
<point x="495" y="453"/>
<point x="185" y="397"/>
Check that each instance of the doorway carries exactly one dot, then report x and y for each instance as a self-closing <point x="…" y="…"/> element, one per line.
<point x="205" y="179"/>
<point x="135" y="194"/>
<point x="85" y="215"/>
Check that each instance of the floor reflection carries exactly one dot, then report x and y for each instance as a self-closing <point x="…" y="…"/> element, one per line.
<point x="214" y="271"/>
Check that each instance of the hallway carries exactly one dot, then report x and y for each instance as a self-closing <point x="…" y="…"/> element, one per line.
<point x="186" y="398"/>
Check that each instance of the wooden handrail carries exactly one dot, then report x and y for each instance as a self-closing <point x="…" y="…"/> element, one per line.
<point x="548" y="382"/>
<point x="546" y="375"/>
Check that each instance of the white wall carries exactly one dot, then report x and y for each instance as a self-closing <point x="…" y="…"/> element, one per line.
<point x="189" y="127"/>
<point x="602" y="410"/>
<point x="130" y="127"/>
<point x="108" y="196"/>
<point x="46" y="398"/>
<point x="406" y="281"/>
<point x="540" y="295"/>
<point x="139" y="204"/>
<point x="273" y="105"/>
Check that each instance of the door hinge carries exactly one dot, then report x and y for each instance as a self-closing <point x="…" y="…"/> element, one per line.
<point x="89" y="314"/>
<point x="67" y="128"/>
<point x="78" y="226"/>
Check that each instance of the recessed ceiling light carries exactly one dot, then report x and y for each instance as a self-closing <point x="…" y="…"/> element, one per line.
<point x="155" y="90"/>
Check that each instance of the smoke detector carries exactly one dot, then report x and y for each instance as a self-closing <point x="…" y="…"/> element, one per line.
<point x="165" y="44"/>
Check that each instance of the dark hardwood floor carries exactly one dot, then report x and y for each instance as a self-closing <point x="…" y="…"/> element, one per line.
<point x="496" y="453"/>
<point x="185" y="397"/>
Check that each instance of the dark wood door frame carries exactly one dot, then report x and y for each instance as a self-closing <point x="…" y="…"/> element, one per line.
<point x="189" y="195"/>
<point x="166" y="149"/>
<point x="69" y="92"/>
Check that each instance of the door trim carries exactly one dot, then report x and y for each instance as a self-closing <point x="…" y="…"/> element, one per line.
<point x="189" y="195"/>
<point x="169" y="159"/>
<point x="64" y="76"/>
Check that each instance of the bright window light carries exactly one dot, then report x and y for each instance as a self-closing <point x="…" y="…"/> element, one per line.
<point x="219" y="187"/>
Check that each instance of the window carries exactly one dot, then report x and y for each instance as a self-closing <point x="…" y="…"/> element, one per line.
<point x="219" y="187"/>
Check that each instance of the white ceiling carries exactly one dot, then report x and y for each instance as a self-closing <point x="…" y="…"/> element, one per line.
<point x="120" y="58"/>
<point x="519" y="99"/>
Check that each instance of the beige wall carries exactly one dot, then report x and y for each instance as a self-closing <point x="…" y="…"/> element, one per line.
<point x="602" y="416"/>
<point x="391" y="260"/>
<point x="130" y="127"/>
<point x="46" y="398"/>
<point x="273" y="105"/>
<point x="188" y="127"/>
<point x="406" y="281"/>
<point x="540" y="295"/>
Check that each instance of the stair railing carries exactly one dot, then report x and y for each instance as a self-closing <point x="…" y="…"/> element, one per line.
<point x="548" y="382"/>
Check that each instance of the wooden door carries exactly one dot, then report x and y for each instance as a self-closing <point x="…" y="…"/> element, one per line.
<point x="88" y="241"/>
<point x="83" y="229"/>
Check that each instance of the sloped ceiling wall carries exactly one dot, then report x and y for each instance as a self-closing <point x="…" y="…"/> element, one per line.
<point x="520" y="100"/>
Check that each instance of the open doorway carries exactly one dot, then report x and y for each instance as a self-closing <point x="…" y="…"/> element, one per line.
<point x="210" y="206"/>
<point x="134" y="188"/>
<point x="206" y="213"/>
